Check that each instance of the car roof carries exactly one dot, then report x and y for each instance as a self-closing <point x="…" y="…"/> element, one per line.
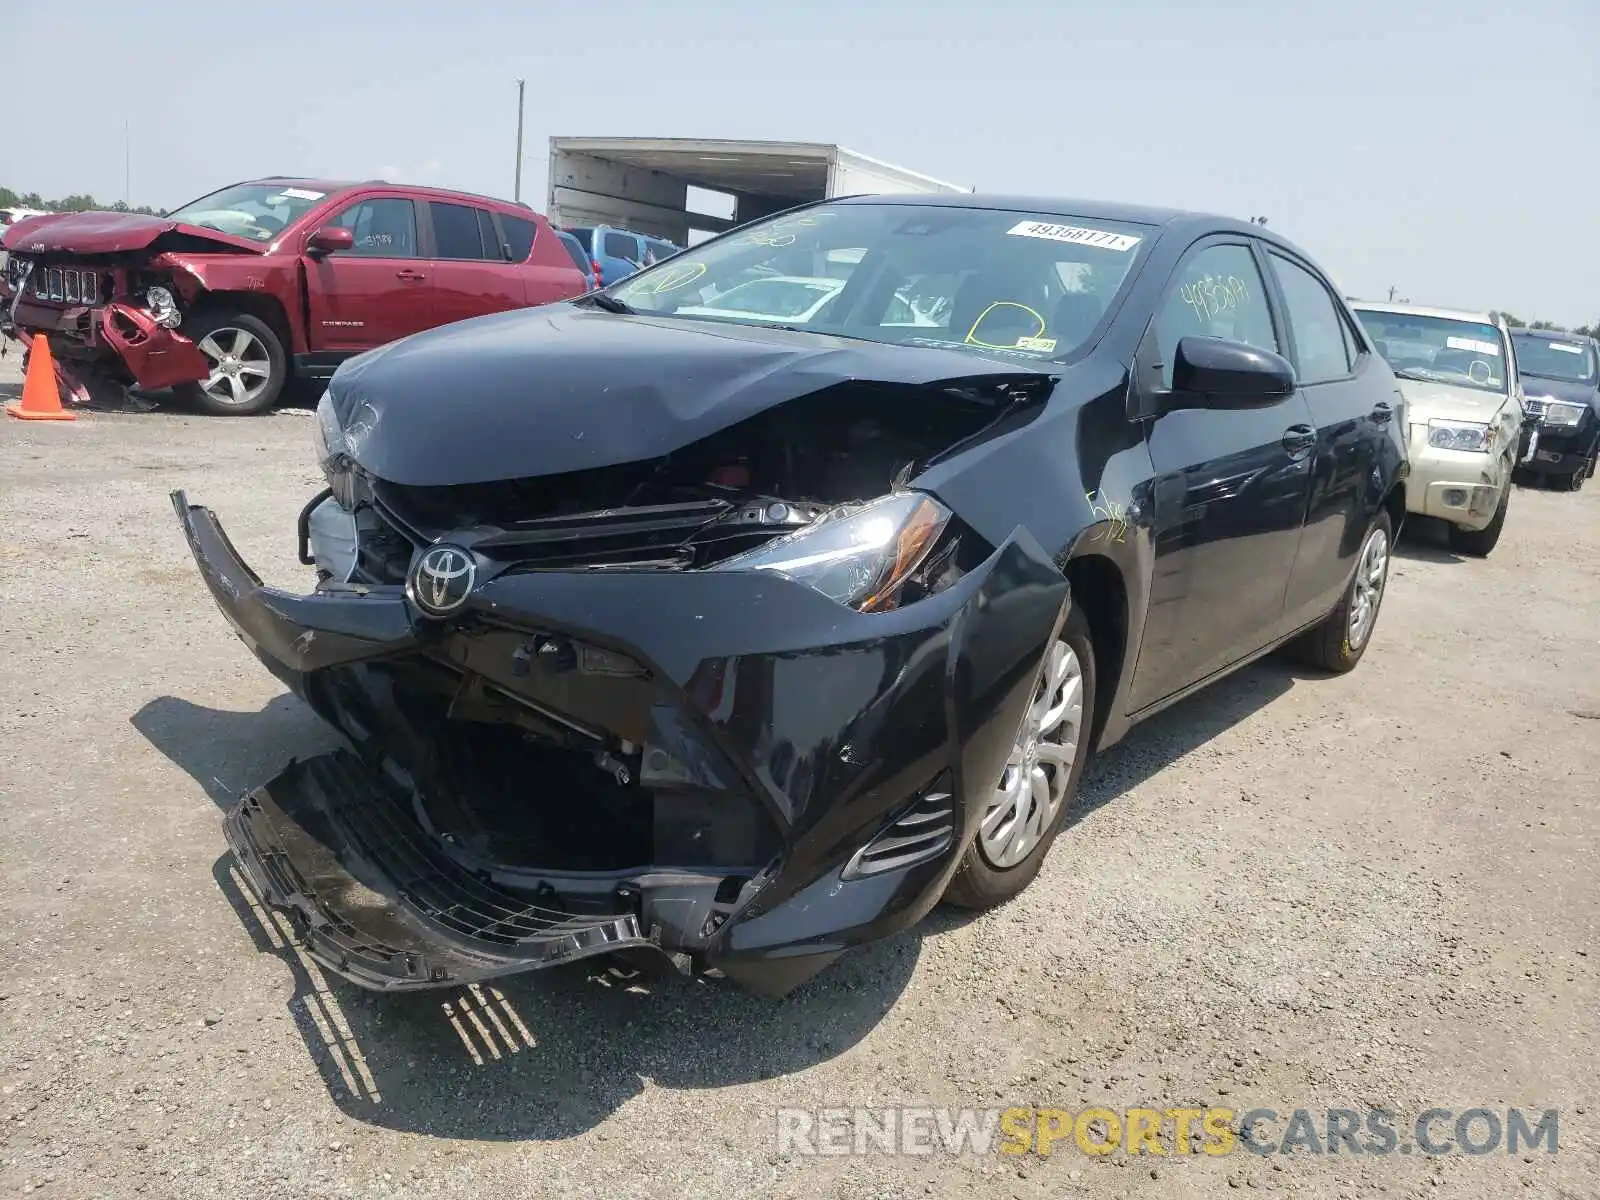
<point x="1554" y="335"/>
<point x="1424" y="310"/>
<point x="1178" y="222"/>
<point x="339" y="185"/>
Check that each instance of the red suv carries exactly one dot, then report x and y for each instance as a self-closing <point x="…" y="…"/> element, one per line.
<point x="233" y="295"/>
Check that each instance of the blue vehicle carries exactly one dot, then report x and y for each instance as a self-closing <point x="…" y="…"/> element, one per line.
<point x="580" y="258"/>
<point x="617" y="253"/>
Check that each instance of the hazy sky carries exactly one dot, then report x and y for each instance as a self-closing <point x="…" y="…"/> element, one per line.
<point x="1448" y="149"/>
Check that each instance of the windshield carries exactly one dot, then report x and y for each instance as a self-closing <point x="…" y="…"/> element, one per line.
<point x="257" y="211"/>
<point x="1026" y="284"/>
<point x="1439" y="349"/>
<point x="1546" y="358"/>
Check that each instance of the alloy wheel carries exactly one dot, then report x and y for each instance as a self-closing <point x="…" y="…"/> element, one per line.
<point x="1372" y="572"/>
<point x="1034" y="785"/>
<point x="241" y="368"/>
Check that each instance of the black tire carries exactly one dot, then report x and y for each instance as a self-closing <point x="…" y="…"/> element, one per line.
<point x="1478" y="542"/>
<point x="266" y="351"/>
<point x="1327" y="646"/>
<point x="1575" y="480"/>
<point x="977" y="883"/>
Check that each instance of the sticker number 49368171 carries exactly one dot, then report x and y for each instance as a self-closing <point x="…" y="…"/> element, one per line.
<point x="1076" y="234"/>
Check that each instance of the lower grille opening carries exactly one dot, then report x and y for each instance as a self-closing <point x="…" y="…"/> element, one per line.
<point x="516" y="792"/>
<point x="922" y="832"/>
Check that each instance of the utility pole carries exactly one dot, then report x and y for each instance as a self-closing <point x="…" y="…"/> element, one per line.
<point x="1391" y="293"/>
<point x="127" y="164"/>
<point x="517" y="195"/>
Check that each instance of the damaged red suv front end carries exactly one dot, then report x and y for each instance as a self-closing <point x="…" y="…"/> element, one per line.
<point x="108" y="290"/>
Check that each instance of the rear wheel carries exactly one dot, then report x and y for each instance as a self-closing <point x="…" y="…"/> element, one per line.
<point x="1575" y="480"/>
<point x="1478" y="542"/>
<point x="248" y="364"/>
<point x="1030" y="801"/>
<point x="1339" y="642"/>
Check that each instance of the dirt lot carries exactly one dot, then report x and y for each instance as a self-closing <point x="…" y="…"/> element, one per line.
<point x="1372" y="891"/>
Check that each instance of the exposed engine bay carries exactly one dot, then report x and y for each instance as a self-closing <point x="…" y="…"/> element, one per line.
<point x="761" y="478"/>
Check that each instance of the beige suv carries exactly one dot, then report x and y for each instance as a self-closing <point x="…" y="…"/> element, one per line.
<point x="1463" y="397"/>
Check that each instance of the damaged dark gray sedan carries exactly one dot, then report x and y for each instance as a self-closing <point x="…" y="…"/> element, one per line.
<point x="734" y="615"/>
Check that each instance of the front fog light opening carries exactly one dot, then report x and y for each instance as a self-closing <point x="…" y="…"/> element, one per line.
<point x="1455" y="497"/>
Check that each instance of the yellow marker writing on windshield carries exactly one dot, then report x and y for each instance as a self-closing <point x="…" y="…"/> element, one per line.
<point x="972" y="340"/>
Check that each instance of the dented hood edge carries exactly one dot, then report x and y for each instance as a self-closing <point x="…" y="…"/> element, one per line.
<point x="98" y="232"/>
<point x="555" y="389"/>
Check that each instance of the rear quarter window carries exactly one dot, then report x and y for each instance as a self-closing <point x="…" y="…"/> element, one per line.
<point x="519" y="236"/>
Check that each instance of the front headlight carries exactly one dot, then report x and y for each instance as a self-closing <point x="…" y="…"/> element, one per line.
<point x="1560" y="413"/>
<point x="333" y="453"/>
<point x="860" y="555"/>
<point x="1459" y="435"/>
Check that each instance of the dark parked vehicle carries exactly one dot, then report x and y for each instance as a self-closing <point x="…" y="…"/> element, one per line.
<point x="579" y="259"/>
<point x="236" y="293"/>
<point x="1561" y="382"/>
<point x="731" y="644"/>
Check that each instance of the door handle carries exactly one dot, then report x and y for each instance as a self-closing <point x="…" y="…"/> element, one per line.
<point x="408" y="273"/>
<point x="1382" y="411"/>
<point x="1297" y="439"/>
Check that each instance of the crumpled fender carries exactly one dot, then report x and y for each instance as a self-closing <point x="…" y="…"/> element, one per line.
<point x="156" y="357"/>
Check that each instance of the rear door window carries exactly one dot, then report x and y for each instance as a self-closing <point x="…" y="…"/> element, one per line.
<point x="456" y="232"/>
<point x="622" y="245"/>
<point x="492" y="245"/>
<point x="519" y="236"/>
<point x="1320" y="339"/>
<point x="383" y="227"/>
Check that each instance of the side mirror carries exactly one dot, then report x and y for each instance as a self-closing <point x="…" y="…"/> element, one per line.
<point x="328" y="239"/>
<point x="1216" y="373"/>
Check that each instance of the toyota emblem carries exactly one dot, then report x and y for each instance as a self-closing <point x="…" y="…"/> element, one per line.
<point x="442" y="580"/>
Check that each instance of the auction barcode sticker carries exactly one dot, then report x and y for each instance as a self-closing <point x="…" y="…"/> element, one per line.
<point x="1461" y="343"/>
<point x="1076" y="234"/>
<point x="1566" y="348"/>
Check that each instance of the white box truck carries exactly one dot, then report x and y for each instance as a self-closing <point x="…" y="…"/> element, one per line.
<point x="642" y="184"/>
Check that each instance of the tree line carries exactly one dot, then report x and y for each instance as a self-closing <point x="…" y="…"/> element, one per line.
<point x="79" y="203"/>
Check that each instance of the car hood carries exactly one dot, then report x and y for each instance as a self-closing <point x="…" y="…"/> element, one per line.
<point x="107" y="233"/>
<point x="1426" y="401"/>
<point x="1561" y="389"/>
<point x="562" y="388"/>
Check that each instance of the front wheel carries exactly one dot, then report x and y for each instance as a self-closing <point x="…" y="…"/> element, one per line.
<point x="248" y="364"/>
<point x="1338" y="643"/>
<point x="1478" y="542"/>
<point x="1028" y="804"/>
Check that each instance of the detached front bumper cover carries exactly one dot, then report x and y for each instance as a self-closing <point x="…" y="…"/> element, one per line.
<point x="833" y="722"/>
<point x="311" y="843"/>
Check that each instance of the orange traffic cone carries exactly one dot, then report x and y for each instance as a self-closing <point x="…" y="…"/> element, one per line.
<point x="41" y="398"/>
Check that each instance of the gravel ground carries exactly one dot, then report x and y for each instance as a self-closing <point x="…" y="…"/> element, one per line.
<point x="1292" y="891"/>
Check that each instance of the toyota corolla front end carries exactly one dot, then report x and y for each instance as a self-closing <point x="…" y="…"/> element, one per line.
<point x="715" y="685"/>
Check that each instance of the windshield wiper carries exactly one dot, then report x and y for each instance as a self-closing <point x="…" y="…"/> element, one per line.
<point x="611" y="304"/>
<point x="1408" y="374"/>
